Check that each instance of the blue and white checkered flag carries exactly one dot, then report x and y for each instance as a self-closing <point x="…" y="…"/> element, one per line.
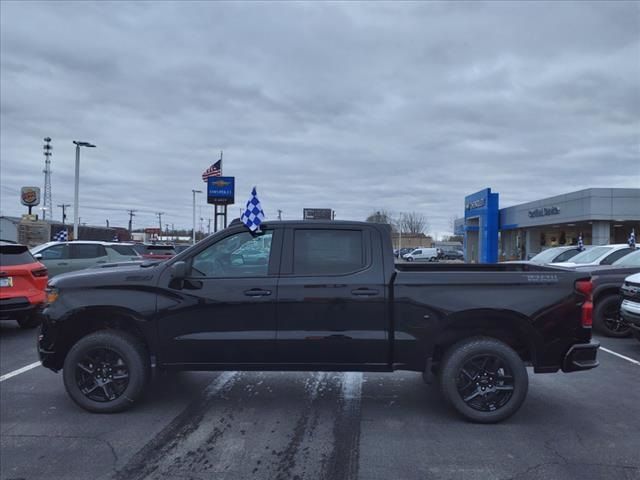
<point x="61" y="236"/>
<point x="632" y="238"/>
<point x="580" y="243"/>
<point x="253" y="214"/>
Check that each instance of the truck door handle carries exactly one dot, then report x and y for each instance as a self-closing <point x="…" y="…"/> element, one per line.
<point x="364" y="292"/>
<point x="257" y="292"/>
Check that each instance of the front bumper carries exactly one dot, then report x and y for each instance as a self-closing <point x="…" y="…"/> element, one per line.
<point x="47" y="344"/>
<point x="630" y="313"/>
<point x="581" y="356"/>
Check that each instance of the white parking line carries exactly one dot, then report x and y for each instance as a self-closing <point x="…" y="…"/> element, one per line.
<point x="26" y="368"/>
<point x="636" y="362"/>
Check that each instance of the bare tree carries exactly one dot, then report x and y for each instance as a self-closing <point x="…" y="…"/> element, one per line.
<point x="380" y="216"/>
<point x="413" y="223"/>
<point x="383" y="216"/>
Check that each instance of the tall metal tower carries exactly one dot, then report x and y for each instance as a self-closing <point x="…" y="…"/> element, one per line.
<point x="48" y="203"/>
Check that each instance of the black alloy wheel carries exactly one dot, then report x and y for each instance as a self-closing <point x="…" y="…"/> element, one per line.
<point x="613" y="321"/>
<point x="607" y="319"/>
<point x="485" y="382"/>
<point x="102" y="374"/>
<point x="484" y="379"/>
<point x="106" y="371"/>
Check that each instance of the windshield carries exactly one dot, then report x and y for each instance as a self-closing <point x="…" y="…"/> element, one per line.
<point x="630" y="260"/>
<point x="547" y="255"/>
<point x="591" y="255"/>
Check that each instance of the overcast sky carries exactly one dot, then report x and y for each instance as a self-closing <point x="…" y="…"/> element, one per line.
<point x="355" y="107"/>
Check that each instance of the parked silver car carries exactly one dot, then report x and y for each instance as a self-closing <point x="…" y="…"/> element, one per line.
<point x="63" y="257"/>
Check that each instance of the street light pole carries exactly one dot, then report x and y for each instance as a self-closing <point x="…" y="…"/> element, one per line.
<point x="193" y="234"/>
<point x="76" y="192"/>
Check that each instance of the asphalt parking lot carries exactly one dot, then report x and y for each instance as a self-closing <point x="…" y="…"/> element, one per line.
<point x="236" y="425"/>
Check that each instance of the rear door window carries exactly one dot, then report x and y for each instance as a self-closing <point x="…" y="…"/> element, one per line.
<point x="88" y="250"/>
<point x="56" y="252"/>
<point x="125" y="250"/>
<point x="327" y="252"/>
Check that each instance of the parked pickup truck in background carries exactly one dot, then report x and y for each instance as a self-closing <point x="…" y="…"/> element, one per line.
<point x="329" y="297"/>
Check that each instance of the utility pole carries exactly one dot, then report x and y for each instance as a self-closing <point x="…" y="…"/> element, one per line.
<point x="193" y="232"/>
<point x="279" y="214"/>
<point x="131" y="215"/>
<point x="64" y="206"/>
<point x="159" y="214"/>
<point x="47" y="204"/>
<point x="76" y="190"/>
<point x="209" y="226"/>
<point x="107" y="223"/>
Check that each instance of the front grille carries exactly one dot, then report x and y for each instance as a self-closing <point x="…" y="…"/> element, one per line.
<point x="631" y="291"/>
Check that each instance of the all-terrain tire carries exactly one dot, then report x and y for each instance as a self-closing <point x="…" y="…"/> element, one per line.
<point x="606" y="317"/>
<point x="458" y="369"/>
<point x="132" y="358"/>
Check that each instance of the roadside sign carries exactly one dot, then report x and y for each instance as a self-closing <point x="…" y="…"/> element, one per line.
<point x="317" y="214"/>
<point x="152" y="231"/>
<point x="30" y="196"/>
<point x="221" y="190"/>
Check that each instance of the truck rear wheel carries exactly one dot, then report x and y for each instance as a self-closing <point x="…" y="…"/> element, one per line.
<point x="106" y="371"/>
<point x="483" y="379"/>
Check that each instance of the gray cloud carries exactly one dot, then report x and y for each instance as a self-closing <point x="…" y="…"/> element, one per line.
<point x="353" y="106"/>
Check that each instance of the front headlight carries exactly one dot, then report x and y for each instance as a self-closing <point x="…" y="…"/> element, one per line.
<point x="52" y="294"/>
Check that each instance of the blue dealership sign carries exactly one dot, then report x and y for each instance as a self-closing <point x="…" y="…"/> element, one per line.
<point x="221" y="190"/>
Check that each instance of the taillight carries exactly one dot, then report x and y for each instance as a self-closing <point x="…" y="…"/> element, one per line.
<point x="39" y="272"/>
<point x="585" y="287"/>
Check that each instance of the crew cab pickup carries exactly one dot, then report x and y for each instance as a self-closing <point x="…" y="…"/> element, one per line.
<point x="319" y="296"/>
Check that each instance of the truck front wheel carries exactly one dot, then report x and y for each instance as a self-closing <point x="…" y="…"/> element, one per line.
<point x="106" y="371"/>
<point x="483" y="379"/>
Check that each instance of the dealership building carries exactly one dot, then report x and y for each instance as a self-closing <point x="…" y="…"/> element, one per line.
<point x="601" y="215"/>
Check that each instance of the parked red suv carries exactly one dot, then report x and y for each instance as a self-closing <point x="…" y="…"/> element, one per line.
<point x="22" y="284"/>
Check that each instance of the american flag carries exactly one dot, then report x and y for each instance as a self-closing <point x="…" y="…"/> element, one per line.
<point x="214" y="170"/>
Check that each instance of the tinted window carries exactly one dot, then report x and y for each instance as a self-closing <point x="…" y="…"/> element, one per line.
<point x="416" y="252"/>
<point x="160" y="250"/>
<point x="57" y="252"/>
<point x="15" y="255"/>
<point x="631" y="260"/>
<point x="240" y="255"/>
<point x="565" y="256"/>
<point x="87" y="250"/>
<point x="126" y="250"/>
<point x="609" y="259"/>
<point x="328" y="252"/>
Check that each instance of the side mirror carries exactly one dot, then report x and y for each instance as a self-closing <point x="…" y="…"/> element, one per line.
<point x="179" y="270"/>
<point x="38" y="256"/>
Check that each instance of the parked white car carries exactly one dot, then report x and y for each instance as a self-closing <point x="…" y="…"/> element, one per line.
<point x="598" y="255"/>
<point x="422" y="254"/>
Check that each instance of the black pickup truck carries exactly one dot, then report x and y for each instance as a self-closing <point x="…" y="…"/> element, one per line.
<point x="317" y="296"/>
